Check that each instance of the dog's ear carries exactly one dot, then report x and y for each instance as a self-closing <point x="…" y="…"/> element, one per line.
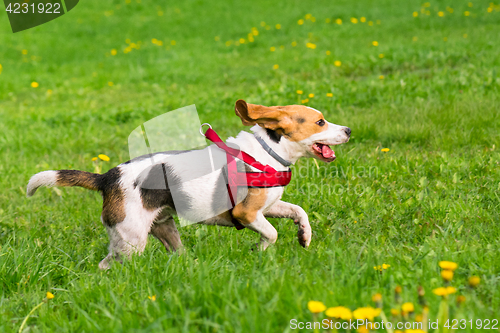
<point x="274" y="118"/>
<point x="241" y="109"/>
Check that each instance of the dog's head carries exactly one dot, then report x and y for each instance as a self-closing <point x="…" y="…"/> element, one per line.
<point x="303" y="126"/>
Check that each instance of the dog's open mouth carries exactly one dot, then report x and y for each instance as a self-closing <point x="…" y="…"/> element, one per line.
<point x="324" y="152"/>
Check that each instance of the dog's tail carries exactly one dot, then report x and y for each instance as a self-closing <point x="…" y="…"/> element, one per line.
<point x="51" y="178"/>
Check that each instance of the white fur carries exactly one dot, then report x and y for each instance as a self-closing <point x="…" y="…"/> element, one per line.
<point x="44" y="178"/>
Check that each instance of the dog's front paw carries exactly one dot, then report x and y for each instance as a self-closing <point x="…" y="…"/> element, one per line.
<point x="304" y="235"/>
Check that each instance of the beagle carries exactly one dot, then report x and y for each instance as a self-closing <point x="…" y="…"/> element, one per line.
<point x="281" y="135"/>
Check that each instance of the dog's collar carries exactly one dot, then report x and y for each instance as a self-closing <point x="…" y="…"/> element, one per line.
<point x="271" y="152"/>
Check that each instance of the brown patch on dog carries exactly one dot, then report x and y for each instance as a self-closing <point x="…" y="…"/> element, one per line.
<point x="83" y="179"/>
<point x="296" y="122"/>
<point x="246" y="211"/>
<point x="113" y="205"/>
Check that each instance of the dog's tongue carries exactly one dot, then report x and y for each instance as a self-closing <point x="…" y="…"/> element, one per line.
<point x="326" y="151"/>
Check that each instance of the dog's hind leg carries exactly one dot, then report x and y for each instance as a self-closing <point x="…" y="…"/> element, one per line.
<point x="128" y="237"/>
<point x="166" y="231"/>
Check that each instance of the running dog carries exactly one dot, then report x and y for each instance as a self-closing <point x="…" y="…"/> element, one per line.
<point x="280" y="136"/>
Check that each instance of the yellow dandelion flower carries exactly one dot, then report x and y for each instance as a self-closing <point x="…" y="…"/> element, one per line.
<point x="474" y="281"/>
<point x="366" y="313"/>
<point x="308" y="16"/>
<point x="300" y="92"/>
<point x="242" y="40"/>
<point x="94" y="159"/>
<point x="461" y="299"/>
<point x="327" y="20"/>
<point x="25" y="52"/>
<point x="337" y="63"/>
<point x="1" y="68"/>
<point x="408" y="307"/>
<point x="311" y="45"/>
<point x="276" y="66"/>
<point x="339" y="312"/>
<point x="363" y="19"/>
<point x="470" y="4"/>
<point x="354" y="20"/>
<point x="381" y="77"/>
<point x="153" y="298"/>
<point x="466" y="13"/>
<point x="441" y="291"/>
<point x="415" y="14"/>
<point x="228" y="43"/>
<point x="444" y="291"/>
<point x="113" y="52"/>
<point x="328" y="52"/>
<point x="154" y="41"/>
<point x="385" y="266"/>
<point x="300" y="22"/>
<point x="377" y="297"/>
<point x="489" y="10"/>
<point x="415" y="38"/>
<point x="272" y="49"/>
<point x="305" y="100"/>
<point x="278" y="26"/>
<point x="160" y="13"/>
<point x="250" y="38"/>
<point x="375" y="43"/>
<point x="217" y="38"/>
<point x="110" y="83"/>
<point x="34" y="84"/>
<point x="329" y="95"/>
<point x="447" y="275"/>
<point x="427" y="4"/>
<point x="173" y="42"/>
<point x="395" y="312"/>
<point x="316" y="307"/>
<point x="450" y="10"/>
<point x="385" y="150"/>
<point x="49" y="92"/>
<point x="338" y="21"/>
<point x="50" y="295"/>
<point x="370" y="23"/>
<point x="127" y="40"/>
<point x="449" y="265"/>
<point x="445" y="39"/>
<point x="451" y="290"/>
<point x="398" y="289"/>
<point x="381" y="55"/>
<point x="310" y="95"/>
<point x="363" y="329"/>
<point x="465" y="35"/>
<point x="294" y="44"/>
<point x="440" y="14"/>
<point x="103" y="157"/>
<point x="262" y="24"/>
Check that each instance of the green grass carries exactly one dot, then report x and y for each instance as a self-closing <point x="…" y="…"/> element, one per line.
<point x="434" y="196"/>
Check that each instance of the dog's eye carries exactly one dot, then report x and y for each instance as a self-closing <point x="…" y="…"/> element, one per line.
<point x="320" y="122"/>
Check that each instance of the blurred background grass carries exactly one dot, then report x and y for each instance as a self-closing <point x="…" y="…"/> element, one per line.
<point x="418" y="78"/>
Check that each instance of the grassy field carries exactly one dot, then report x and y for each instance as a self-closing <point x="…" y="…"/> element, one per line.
<point x="420" y="79"/>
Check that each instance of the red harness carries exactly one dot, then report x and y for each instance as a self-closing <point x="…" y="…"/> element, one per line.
<point x="269" y="177"/>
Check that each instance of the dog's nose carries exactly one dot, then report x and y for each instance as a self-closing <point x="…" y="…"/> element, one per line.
<point x="347" y="131"/>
